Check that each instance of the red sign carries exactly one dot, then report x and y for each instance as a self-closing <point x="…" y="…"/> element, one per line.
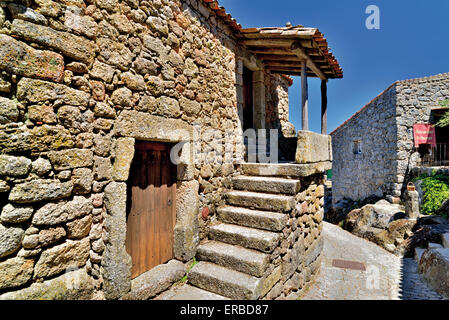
<point x="424" y="134"/>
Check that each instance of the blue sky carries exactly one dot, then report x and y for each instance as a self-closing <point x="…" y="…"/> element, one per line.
<point x="413" y="41"/>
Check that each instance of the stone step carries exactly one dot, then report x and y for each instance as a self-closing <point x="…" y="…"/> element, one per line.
<point x="271" y="221"/>
<point x="226" y="282"/>
<point x="284" y="169"/>
<point x="418" y="253"/>
<point x="266" y="184"/>
<point x="445" y="240"/>
<point x="432" y="245"/>
<point x="236" y="258"/>
<point x="263" y="201"/>
<point x="249" y="238"/>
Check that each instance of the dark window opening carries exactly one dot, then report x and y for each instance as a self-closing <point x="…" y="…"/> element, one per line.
<point x="247" y="99"/>
<point x="357" y="147"/>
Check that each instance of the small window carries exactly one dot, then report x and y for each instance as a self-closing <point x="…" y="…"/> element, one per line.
<point x="357" y="149"/>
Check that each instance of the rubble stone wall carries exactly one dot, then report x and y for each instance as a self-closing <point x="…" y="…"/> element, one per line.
<point x="357" y="176"/>
<point x="80" y="81"/>
<point x="415" y="100"/>
<point x="296" y="262"/>
<point x="277" y="105"/>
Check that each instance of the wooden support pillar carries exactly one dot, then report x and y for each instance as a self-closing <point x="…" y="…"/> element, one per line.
<point x="323" y="106"/>
<point x="304" y="96"/>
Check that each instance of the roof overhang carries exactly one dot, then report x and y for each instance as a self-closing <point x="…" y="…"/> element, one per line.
<point x="283" y="50"/>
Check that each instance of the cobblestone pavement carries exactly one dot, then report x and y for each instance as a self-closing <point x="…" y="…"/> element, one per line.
<point x="413" y="286"/>
<point x="386" y="276"/>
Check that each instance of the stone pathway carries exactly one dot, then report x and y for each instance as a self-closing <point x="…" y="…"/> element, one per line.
<point x="386" y="276"/>
<point x="413" y="286"/>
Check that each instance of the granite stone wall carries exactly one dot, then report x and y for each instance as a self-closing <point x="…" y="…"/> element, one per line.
<point x="384" y="128"/>
<point x="277" y="105"/>
<point x="295" y="263"/>
<point x="358" y="175"/>
<point x="415" y="100"/>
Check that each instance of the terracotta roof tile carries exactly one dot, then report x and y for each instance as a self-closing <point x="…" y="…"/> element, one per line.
<point x="221" y="12"/>
<point x="313" y="39"/>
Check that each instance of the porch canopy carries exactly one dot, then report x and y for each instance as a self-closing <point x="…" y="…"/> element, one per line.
<point x="295" y="51"/>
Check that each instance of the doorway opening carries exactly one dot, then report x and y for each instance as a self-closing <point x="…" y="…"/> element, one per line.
<point x="248" y="106"/>
<point x="151" y="207"/>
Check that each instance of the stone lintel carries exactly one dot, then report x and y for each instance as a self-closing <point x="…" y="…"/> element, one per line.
<point x="144" y="126"/>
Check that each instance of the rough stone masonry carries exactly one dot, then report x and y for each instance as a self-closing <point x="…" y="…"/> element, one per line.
<point x="80" y="82"/>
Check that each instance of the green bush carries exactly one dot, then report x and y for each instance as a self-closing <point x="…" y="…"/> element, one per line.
<point x="185" y="278"/>
<point x="436" y="190"/>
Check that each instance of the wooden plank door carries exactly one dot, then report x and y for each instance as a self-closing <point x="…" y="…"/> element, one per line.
<point x="151" y="214"/>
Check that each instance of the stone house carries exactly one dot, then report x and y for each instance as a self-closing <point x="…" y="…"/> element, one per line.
<point x="122" y="152"/>
<point x="374" y="151"/>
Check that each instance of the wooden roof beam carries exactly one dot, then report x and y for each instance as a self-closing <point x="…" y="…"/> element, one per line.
<point x="281" y="51"/>
<point x="294" y="63"/>
<point x="268" y="43"/>
<point x="292" y="73"/>
<point x="300" y="52"/>
<point x="287" y="69"/>
<point x="273" y="57"/>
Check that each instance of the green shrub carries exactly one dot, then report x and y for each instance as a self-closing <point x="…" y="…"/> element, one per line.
<point x="184" y="279"/>
<point x="436" y="190"/>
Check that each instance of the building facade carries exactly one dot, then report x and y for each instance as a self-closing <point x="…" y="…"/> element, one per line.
<point x="374" y="151"/>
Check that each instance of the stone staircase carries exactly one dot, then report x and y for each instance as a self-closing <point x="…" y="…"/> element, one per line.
<point x="234" y="260"/>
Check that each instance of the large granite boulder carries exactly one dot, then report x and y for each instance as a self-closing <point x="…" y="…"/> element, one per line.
<point x="434" y="267"/>
<point x="378" y="215"/>
<point x="382" y="223"/>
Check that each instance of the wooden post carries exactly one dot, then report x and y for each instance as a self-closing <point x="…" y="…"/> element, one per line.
<point x="304" y="96"/>
<point x="323" y="106"/>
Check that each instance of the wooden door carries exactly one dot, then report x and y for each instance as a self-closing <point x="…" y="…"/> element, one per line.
<point x="151" y="214"/>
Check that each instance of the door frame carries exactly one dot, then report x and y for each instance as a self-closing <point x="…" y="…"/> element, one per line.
<point x="246" y="73"/>
<point x="259" y="98"/>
